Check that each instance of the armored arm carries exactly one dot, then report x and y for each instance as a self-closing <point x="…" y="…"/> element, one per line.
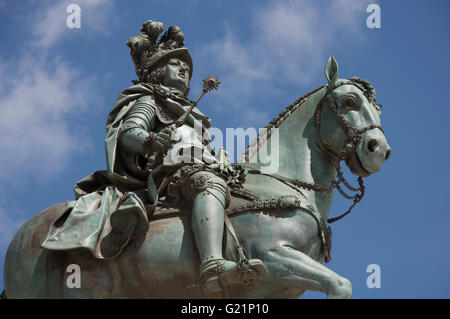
<point x="136" y="134"/>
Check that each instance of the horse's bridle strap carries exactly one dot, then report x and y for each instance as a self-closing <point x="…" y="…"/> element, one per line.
<point x="353" y="135"/>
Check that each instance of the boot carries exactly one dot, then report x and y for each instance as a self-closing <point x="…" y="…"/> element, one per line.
<point x="207" y="225"/>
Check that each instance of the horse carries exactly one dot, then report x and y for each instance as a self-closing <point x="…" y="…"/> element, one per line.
<point x="337" y="121"/>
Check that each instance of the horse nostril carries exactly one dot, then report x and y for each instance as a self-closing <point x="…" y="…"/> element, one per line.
<point x="388" y="153"/>
<point x="372" y="145"/>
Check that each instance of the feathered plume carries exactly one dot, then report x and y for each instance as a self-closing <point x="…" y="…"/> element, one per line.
<point x="172" y="39"/>
<point x="144" y="45"/>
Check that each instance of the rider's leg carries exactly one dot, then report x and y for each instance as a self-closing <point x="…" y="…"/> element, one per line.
<point x="208" y="223"/>
<point x="208" y="226"/>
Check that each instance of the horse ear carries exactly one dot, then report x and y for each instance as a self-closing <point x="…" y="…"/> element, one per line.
<point x="331" y="71"/>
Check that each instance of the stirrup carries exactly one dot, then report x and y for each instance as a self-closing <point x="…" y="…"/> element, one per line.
<point x="250" y="271"/>
<point x="219" y="273"/>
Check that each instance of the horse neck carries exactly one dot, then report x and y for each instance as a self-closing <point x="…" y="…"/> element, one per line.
<point x="298" y="154"/>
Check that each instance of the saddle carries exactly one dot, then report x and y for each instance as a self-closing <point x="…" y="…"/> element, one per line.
<point x="243" y="197"/>
<point x="257" y="193"/>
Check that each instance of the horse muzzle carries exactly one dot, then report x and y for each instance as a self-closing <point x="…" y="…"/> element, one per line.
<point x="371" y="153"/>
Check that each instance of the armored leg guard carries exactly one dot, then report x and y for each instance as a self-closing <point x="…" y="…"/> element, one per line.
<point x="208" y="226"/>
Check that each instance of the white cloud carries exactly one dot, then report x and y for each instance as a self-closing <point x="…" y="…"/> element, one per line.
<point x="286" y="44"/>
<point x="49" y="23"/>
<point x="242" y="71"/>
<point x="43" y="99"/>
<point x="43" y="104"/>
<point x="38" y="104"/>
<point x="348" y="14"/>
<point x="8" y="227"/>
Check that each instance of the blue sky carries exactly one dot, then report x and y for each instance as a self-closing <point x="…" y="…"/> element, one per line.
<point x="58" y="84"/>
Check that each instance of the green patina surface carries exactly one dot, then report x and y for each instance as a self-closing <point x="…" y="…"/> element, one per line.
<point x="278" y="209"/>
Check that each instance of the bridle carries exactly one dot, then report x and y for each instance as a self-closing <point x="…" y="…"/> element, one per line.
<point x="353" y="137"/>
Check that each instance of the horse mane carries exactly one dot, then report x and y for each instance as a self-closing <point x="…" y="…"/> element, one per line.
<point x="367" y="88"/>
<point x="263" y="136"/>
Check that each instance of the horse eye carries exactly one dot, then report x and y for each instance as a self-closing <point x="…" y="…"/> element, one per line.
<point x="349" y="103"/>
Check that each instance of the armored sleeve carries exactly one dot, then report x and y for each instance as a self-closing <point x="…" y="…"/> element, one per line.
<point x="136" y="131"/>
<point x="142" y="113"/>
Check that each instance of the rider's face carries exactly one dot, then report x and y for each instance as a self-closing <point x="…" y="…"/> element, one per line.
<point x="177" y="75"/>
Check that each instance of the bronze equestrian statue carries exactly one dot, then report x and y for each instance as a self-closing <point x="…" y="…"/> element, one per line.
<point x="152" y="224"/>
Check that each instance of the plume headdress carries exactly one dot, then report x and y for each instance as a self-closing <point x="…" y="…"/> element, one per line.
<point x="148" y="53"/>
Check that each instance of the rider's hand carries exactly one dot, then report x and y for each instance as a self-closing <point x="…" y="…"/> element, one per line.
<point x="163" y="140"/>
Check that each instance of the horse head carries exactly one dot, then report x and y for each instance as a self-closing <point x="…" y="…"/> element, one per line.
<point x="350" y="119"/>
